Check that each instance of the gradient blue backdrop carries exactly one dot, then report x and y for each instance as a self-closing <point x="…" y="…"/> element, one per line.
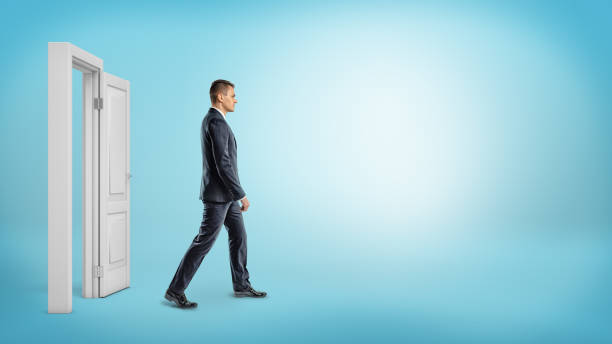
<point x="418" y="172"/>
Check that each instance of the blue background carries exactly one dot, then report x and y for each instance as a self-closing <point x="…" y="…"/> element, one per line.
<point x="418" y="172"/>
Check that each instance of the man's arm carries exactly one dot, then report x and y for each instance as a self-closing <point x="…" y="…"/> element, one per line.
<point x="219" y="133"/>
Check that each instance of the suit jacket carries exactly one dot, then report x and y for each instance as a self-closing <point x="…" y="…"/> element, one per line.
<point x="220" y="181"/>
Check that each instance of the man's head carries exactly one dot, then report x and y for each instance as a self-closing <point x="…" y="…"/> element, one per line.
<point x="222" y="95"/>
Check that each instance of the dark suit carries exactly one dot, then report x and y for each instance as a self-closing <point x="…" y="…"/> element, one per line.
<point x="220" y="191"/>
<point x="220" y="181"/>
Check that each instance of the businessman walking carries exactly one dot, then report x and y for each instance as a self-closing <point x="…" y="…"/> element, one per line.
<point x="220" y="191"/>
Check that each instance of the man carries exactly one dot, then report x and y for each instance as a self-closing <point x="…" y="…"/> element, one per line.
<point x="220" y="192"/>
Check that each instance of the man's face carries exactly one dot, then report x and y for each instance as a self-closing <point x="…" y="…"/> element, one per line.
<point x="229" y="100"/>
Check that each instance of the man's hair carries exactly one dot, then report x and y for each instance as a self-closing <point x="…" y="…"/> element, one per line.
<point x="217" y="87"/>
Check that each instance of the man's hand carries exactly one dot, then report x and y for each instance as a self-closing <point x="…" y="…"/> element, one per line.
<point x="245" y="204"/>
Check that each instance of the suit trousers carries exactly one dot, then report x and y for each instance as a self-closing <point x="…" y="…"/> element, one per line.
<point x="215" y="215"/>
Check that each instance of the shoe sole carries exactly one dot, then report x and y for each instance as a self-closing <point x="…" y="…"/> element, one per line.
<point x="243" y="294"/>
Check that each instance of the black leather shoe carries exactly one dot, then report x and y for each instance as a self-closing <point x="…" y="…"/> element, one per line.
<point x="180" y="299"/>
<point x="249" y="292"/>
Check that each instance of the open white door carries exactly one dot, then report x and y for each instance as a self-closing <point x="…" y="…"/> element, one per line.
<point x="114" y="230"/>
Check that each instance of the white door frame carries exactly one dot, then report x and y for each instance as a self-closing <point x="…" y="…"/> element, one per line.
<point x="62" y="58"/>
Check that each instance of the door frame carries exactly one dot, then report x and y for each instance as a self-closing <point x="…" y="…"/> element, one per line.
<point x="62" y="58"/>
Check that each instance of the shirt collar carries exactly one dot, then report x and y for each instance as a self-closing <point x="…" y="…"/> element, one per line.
<point x="219" y="111"/>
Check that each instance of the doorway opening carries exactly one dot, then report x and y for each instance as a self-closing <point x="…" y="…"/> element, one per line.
<point x="77" y="183"/>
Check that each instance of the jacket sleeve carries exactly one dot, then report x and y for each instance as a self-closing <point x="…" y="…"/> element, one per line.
<point x="219" y="133"/>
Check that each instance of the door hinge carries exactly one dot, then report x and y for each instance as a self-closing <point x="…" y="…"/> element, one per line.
<point x="98" y="103"/>
<point x="98" y="271"/>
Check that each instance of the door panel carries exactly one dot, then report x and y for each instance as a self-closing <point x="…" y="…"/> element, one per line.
<point x="114" y="185"/>
<point x="117" y="99"/>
